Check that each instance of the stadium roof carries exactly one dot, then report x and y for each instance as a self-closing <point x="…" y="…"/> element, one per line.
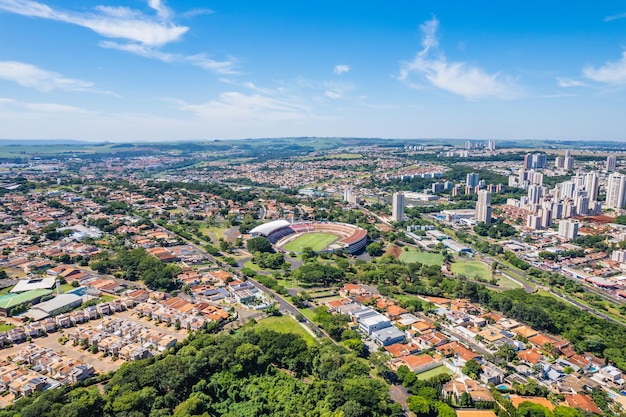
<point x="267" y="228"/>
<point x="11" y="300"/>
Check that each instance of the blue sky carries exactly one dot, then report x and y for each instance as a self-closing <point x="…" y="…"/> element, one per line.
<point x="151" y="70"/>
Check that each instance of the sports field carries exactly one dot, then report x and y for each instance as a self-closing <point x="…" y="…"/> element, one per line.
<point x="426" y="258"/>
<point x="425" y="376"/>
<point x="471" y="269"/>
<point x="316" y="241"/>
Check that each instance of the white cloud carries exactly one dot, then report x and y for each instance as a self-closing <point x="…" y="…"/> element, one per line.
<point x="455" y="77"/>
<point x="31" y="76"/>
<point x="219" y="67"/>
<point x="335" y="95"/>
<point x="139" y="33"/>
<point x="195" y="12"/>
<point x="615" y="17"/>
<point x="566" y="82"/>
<point x="610" y="73"/>
<point x="198" y="60"/>
<point x="340" y="69"/>
<point x="236" y="106"/>
<point x="40" y="107"/>
<point x="110" y="22"/>
<point x="139" y="49"/>
<point x="162" y="10"/>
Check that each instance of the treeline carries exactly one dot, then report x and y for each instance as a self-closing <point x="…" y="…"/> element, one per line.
<point x="137" y="264"/>
<point x="246" y="374"/>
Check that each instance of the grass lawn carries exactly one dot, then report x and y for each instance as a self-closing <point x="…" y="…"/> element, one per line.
<point x="507" y="283"/>
<point x="284" y="324"/>
<point x="290" y="283"/>
<point x="316" y="241"/>
<point x="214" y="233"/>
<point x="426" y="258"/>
<point x="434" y="372"/>
<point x="327" y="299"/>
<point x="66" y="288"/>
<point x="252" y="266"/>
<point x="107" y="298"/>
<point x="6" y="327"/>
<point x="471" y="269"/>
<point x="308" y="313"/>
<point x="518" y="277"/>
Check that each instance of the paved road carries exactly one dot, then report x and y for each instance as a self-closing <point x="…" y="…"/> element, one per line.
<point x="399" y="394"/>
<point x="287" y="307"/>
<point x="561" y="296"/>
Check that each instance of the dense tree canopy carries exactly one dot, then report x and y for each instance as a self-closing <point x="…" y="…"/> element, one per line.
<point x="247" y="374"/>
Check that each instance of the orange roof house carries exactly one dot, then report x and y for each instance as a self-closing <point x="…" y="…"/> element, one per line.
<point x="531" y="356"/>
<point x="517" y="401"/>
<point x="582" y="401"/>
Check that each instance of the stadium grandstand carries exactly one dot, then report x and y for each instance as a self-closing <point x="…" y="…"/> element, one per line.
<point x="280" y="232"/>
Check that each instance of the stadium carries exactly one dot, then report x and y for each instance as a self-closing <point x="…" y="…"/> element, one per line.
<point x="319" y="236"/>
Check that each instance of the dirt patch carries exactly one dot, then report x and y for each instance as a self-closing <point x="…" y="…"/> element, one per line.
<point x="395" y="251"/>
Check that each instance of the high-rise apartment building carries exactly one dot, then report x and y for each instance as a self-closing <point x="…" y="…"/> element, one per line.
<point x="592" y="185"/>
<point x="615" y="191"/>
<point x="472" y="179"/>
<point x="568" y="229"/>
<point x="483" y="207"/>
<point x="611" y="163"/>
<point x="397" y="207"/>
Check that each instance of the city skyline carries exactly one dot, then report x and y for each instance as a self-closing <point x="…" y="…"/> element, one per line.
<point x="151" y="70"/>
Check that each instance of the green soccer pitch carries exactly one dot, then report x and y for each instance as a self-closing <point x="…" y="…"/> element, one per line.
<point x="315" y="240"/>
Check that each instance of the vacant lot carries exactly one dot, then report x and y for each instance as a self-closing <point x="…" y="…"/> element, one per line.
<point x="284" y="324"/>
<point x="316" y="241"/>
<point x="471" y="269"/>
<point x="426" y="258"/>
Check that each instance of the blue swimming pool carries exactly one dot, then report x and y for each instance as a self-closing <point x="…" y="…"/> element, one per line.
<point x="79" y="291"/>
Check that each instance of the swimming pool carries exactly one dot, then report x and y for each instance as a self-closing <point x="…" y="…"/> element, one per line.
<point x="79" y="291"/>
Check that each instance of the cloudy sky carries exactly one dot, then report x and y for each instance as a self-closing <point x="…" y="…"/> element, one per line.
<point x="150" y="70"/>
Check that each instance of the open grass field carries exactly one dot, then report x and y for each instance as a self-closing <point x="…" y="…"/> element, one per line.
<point x="316" y="241"/>
<point x="214" y="233"/>
<point x="425" y="258"/>
<point x="507" y="283"/>
<point x="471" y="269"/>
<point x="284" y="324"/>
<point x="440" y="370"/>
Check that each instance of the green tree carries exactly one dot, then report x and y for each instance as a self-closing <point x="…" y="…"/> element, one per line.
<point x="419" y="405"/>
<point x="466" y="400"/>
<point x="472" y="369"/>
<point x="374" y="249"/>
<point x="259" y="244"/>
